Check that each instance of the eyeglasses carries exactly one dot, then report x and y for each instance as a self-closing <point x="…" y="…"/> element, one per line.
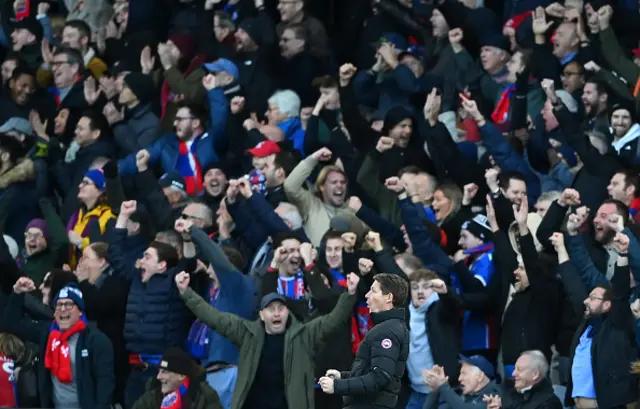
<point x="594" y="298"/>
<point x="65" y="305"/>
<point x="33" y="235"/>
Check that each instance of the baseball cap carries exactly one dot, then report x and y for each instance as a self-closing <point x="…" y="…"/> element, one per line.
<point x="396" y="39"/>
<point x="173" y="179"/>
<point x="223" y="65"/>
<point x="271" y="297"/>
<point x="480" y="362"/>
<point x="17" y="124"/>
<point x="264" y="148"/>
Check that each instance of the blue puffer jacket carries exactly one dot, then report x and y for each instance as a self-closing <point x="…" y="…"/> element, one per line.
<point x="165" y="151"/>
<point x="156" y="317"/>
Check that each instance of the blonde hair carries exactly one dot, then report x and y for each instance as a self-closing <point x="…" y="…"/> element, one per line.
<point x="453" y="193"/>
<point x="324" y="173"/>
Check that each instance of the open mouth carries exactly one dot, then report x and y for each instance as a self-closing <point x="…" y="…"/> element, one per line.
<point x="64" y="318"/>
<point x="277" y="322"/>
<point x="31" y="247"/>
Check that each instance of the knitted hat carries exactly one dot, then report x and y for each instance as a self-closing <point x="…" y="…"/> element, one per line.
<point x="494" y="40"/>
<point x="141" y="85"/>
<point x="393" y="117"/>
<point x="253" y="28"/>
<point x="177" y="361"/>
<point x="39" y="224"/>
<point x="32" y="25"/>
<point x="72" y="292"/>
<point x="629" y="106"/>
<point x="479" y="227"/>
<point x="185" y="44"/>
<point x="97" y="177"/>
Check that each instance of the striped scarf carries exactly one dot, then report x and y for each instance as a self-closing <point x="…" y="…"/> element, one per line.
<point x="292" y="287"/>
<point x="501" y="113"/>
<point x="197" y="343"/>
<point x="189" y="168"/>
<point x="361" y="321"/>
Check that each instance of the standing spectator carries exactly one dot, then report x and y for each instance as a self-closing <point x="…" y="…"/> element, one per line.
<point x="76" y="359"/>
<point x="137" y="127"/>
<point x="434" y="314"/>
<point x="264" y="375"/>
<point x="77" y="35"/>
<point x="381" y="359"/>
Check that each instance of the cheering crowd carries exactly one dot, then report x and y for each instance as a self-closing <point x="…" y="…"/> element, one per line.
<point x="299" y="204"/>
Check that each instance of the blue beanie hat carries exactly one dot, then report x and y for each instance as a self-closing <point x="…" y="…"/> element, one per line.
<point x="72" y="292"/>
<point x="97" y="177"/>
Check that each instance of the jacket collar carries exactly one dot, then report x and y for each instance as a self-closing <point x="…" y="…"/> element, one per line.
<point x="394" y="313"/>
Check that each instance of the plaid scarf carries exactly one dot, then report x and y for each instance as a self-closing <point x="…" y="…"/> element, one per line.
<point x="189" y="167"/>
<point x="57" y="358"/>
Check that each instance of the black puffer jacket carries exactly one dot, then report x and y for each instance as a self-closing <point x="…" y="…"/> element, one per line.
<point x="381" y="360"/>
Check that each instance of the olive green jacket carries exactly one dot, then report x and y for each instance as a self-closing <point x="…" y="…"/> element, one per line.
<point x="619" y="62"/>
<point x="202" y="396"/>
<point x="300" y="346"/>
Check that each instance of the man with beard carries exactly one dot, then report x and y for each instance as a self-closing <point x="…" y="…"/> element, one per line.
<point x="192" y="147"/>
<point x="595" y="98"/>
<point x="215" y="185"/>
<point x="593" y="254"/>
<point x="625" y="133"/>
<point x="254" y="40"/>
<point x="77" y="35"/>
<point x="317" y="211"/>
<point x="603" y="379"/>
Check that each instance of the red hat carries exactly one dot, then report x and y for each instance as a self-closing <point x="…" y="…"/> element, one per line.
<point x="264" y="148"/>
<point x="185" y="43"/>
<point x="636" y="52"/>
<point x="515" y="21"/>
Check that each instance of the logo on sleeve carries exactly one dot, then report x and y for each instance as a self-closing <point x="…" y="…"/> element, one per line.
<point x="386" y="343"/>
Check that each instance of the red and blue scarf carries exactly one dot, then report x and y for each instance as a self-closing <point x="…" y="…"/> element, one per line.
<point x="173" y="400"/>
<point x="192" y="174"/>
<point x="57" y="357"/>
<point x="25" y="12"/>
<point x="292" y="287"/>
<point x="361" y="321"/>
<point x="501" y="114"/>
<point x="197" y="343"/>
